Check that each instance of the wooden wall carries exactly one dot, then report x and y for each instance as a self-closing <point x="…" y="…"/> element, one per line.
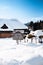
<point x="5" y="34"/>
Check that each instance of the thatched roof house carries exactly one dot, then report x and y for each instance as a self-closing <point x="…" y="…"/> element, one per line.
<point x="7" y="26"/>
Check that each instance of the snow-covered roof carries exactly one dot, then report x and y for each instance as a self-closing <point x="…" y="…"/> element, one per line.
<point x="38" y="32"/>
<point x="6" y="29"/>
<point x="32" y="32"/>
<point x="12" y="24"/>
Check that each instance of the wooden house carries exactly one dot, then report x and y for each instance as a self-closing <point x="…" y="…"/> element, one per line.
<point x="8" y="27"/>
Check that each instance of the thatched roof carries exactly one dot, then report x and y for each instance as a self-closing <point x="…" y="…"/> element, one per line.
<point x="12" y="24"/>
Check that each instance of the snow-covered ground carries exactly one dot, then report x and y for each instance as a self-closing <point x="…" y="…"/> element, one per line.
<point x="25" y="53"/>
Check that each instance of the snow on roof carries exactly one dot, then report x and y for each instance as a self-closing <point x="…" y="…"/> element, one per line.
<point x="32" y="32"/>
<point x="38" y="32"/>
<point x="12" y="24"/>
<point x="6" y="29"/>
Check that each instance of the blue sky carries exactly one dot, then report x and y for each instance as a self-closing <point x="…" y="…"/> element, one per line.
<point x="23" y="10"/>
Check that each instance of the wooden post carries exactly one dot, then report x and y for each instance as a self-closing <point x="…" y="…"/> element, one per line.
<point x="31" y="40"/>
<point x="36" y="39"/>
<point x="17" y="41"/>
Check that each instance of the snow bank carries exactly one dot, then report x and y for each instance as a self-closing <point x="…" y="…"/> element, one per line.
<point x="34" y="61"/>
<point x="22" y="54"/>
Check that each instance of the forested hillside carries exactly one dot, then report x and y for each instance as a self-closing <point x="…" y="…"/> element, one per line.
<point x="35" y="25"/>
